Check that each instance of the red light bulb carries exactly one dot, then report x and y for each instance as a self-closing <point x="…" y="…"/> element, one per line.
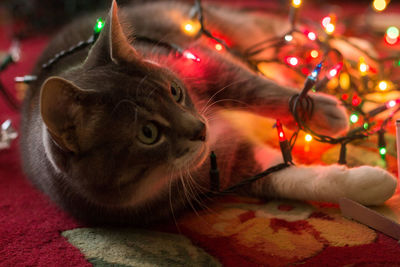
<point x="293" y="61"/>
<point x="355" y="100"/>
<point x="334" y="71"/>
<point x="191" y="56"/>
<point x="281" y="133"/>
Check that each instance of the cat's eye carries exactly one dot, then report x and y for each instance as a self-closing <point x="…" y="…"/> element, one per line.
<point x="176" y="92"/>
<point x="149" y="134"/>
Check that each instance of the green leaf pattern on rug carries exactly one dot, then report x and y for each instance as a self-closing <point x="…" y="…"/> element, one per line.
<point x="136" y="247"/>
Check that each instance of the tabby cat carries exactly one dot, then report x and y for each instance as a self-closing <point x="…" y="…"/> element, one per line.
<point x="121" y="132"/>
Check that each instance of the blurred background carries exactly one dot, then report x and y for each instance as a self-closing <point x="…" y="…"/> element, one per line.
<point x="42" y="16"/>
<point x="372" y="25"/>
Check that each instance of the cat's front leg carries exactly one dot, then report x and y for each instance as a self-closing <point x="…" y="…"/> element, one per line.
<point x="366" y="185"/>
<point x="231" y="85"/>
<point x="327" y="115"/>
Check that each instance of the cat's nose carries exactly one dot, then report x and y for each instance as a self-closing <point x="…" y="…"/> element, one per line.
<point x="199" y="132"/>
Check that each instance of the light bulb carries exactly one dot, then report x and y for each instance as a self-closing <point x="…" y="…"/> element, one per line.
<point x="296" y="3"/>
<point x="191" y="56"/>
<point x="288" y="37"/>
<point x="219" y="47"/>
<point x="354" y="118"/>
<point x="383" y="85"/>
<point x="330" y="28"/>
<point x="379" y="5"/>
<point x="312" y="36"/>
<point x="314" y="53"/>
<point x="191" y="27"/>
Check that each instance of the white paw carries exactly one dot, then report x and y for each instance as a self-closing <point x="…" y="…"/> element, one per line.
<point x="329" y="116"/>
<point x="369" y="185"/>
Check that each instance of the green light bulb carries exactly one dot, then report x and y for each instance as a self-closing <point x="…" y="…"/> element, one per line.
<point x="99" y="26"/>
<point x="353" y="118"/>
<point x="382" y="151"/>
<point x="393" y="32"/>
<point x="366" y="125"/>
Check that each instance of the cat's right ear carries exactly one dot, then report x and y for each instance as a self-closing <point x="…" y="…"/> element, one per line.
<point x="62" y="111"/>
<point x="112" y="44"/>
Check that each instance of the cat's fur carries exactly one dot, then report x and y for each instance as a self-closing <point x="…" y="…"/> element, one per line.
<point x="82" y="128"/>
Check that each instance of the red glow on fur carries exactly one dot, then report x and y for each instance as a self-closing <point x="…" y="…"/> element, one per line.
<point x="221" y="37"/>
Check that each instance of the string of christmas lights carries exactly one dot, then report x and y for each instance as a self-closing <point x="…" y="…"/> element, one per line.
<point x="82" y="44"/>
<point x="347" y="78"/>
<point x="339" y="74"/>
<point x="7" y="134"/>
<point x="13" y="56"/>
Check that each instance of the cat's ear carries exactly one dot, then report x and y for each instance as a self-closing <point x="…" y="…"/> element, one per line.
<point x="62" y="111"/>
<point x="112" y="43"/>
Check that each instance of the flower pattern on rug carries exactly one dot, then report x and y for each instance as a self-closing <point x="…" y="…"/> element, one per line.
<point x="278" y="232"/>
<point x="237" y="231"/>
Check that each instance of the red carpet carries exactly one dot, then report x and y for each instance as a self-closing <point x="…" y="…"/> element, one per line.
<point x="29" y="225"/>
<point x="238" y="232"/>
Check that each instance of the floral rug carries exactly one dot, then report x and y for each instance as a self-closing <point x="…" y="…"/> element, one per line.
<point x="244" y="232"/>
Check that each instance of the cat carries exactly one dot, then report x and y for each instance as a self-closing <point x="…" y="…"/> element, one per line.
<point x="121" y="132"/>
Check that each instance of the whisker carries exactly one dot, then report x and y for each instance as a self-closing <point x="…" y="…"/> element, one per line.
<point x="124" y="101"/>
<point x="170" y="198"/>
<point x="141" y="82"/>
<point x="226" y="100"/>
<point x="148" y="97"/>
<point x="220" y="90"/>
<point x="166" y="37"/>
<point x="187" y="195"/>
<point x="192" y="187"/>
<point x="202" y="189"/>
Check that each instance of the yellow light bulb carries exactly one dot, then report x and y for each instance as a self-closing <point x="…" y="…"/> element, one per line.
<point x="308" y="138"/>
<point x="191" y="27"/>
<point x="344" y="81"/>
<point x="219" y="47"/>
<point x="330" y="28"/>
<point x="333" y="83"/>
<point x="296" y="3"/>
<point x="379" y="5"/>
<point x="363" y="66"/>
<point x="383" y="85"/>
<point x="314" y="53"/>
<point x="188" y="27"/>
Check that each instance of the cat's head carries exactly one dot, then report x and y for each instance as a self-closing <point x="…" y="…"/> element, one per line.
<point x="120" y="127"/>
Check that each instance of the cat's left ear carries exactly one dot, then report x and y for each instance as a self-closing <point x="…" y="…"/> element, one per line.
<point x="63" y="110"/>
<point x="112" y="43"/>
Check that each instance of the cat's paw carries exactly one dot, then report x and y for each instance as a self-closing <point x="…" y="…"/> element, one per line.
<point x="369" y="185"/>
<point x="329" y="117"/>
